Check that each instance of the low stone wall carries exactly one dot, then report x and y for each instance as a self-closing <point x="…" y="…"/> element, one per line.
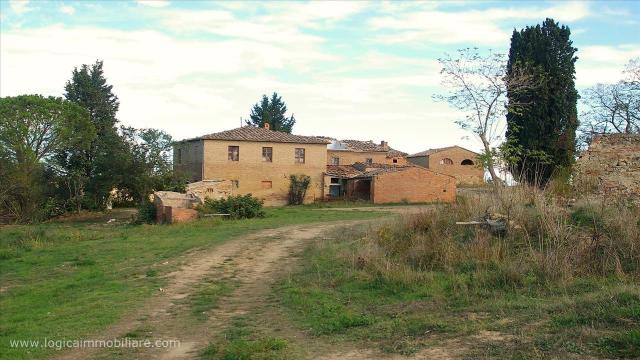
<point x="611" y="168"/>
<point x="210" y="189"/>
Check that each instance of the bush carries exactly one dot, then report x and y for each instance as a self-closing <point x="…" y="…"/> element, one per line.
<point x="238" y="207"/>
<point x="298" y="186"/>
<point x="146" y="213"/>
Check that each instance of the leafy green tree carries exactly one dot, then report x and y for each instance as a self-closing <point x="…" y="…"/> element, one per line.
<point x="149" y="167"/>
<point x="542" y="139"/>
<point x="32" y="130"/>
<point x="101" y="166"/>
<point x="272" y="111"/>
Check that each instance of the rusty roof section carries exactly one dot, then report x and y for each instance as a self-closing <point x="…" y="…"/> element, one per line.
<point x="437" y="150"/>
<point x="258" y="134"/>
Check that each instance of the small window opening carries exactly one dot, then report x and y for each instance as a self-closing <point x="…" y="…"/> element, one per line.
<point x="234" y="153"/>
<point x="267" y="154"/>
<point x="467" y="162"/>
<point x="446" y="161"/>
<point x="300" y="155"/>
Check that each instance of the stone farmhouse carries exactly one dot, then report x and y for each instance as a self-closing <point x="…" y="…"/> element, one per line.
<point x="255" y="160"/>
<point x="453" y="160"/>
<point x="259" y="161"/>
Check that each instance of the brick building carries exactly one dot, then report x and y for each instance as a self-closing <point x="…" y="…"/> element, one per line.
<point x="388" y="183"/>
<point x="453" y="160"/>
<point x="611" y="167"/>
<point x="255" y="160"/>
<point x="259" y="161"/>
<point x="347" y="152"/>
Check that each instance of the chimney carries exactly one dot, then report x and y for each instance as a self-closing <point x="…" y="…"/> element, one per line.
<point x="384" y="145"/>
<point x="266" y="125"/>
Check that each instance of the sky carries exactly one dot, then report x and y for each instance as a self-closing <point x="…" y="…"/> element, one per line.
<point x="349" y="70"/>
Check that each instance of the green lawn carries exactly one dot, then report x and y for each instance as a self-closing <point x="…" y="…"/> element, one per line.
<point x="335" y="299"/>
<point x="69" y="280"/>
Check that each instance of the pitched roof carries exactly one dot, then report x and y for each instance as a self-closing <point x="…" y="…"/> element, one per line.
<point x="251" y="133"/>
<point x="437" y="150"/>
<point x="370" y="146"/>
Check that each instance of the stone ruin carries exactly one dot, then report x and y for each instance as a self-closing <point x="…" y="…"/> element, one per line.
<point x="173" y="207"/>
<point x="611" y="168"/>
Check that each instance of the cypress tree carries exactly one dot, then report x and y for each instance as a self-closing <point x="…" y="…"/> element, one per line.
<point x="543" y="138"/>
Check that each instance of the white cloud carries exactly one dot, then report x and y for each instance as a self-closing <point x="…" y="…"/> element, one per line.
<point x="480" y="27"/>
<point x="20" y="6"/>
<point x="66" y="9"/>
<point x="154" y="3"/>
<point x="192" y="87"/>
<point x="603" y="64"/>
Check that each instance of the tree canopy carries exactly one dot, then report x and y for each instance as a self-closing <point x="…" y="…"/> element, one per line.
<point x="543" y="138"/>
<point x="272" y="111"/>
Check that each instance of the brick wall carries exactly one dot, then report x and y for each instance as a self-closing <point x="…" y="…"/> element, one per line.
<point x="464" y="174"/>
<point x="413" y="185"/>
<point x="611" y="167"/>
<point x="173" y="215"/>
<point x="352" y="157"/>
<point x="266" y="180"/>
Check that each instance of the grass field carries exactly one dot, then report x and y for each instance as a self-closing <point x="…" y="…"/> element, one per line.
<point x="68" y="280"/>
<point x="337" y="300"/>
<point x="558" y="281"/>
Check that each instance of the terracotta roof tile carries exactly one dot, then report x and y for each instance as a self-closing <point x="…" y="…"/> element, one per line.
<point x="251" y="133"/>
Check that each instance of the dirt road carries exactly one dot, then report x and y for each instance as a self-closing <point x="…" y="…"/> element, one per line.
<point x="251" y="263"/>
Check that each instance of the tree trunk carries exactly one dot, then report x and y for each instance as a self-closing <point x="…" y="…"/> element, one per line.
<point x="490" y="166"/>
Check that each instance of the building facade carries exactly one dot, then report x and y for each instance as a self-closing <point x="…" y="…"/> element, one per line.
<point x="256" y="161"/>
<point x="456" y="161"/>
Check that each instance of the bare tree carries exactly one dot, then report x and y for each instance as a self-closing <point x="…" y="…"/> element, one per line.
<point x="613" y="108"/>
<point x="477" y="85"/>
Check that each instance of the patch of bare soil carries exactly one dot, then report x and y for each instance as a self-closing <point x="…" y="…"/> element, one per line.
<point x="254" y="262"/>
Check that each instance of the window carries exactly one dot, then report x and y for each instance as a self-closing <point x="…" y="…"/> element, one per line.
<point x="446" y="161"/>
<point x="335" y="161"/>
<point x="267" y="154"/>
<point x="467" y="162"/>
<point x="235" y="183"/>
<point x="369" y="161"/>
<point x="395" y="161"/>
<point x="234" y="153"/>
<point x="335" y="180"/>
<point x="267" y="184"/>
<point x="300" y="155"/>
<point x="179" y="156"/>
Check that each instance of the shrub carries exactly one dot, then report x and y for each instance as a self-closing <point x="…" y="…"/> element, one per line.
<point x="238" y="207"/>
<point x="298" y="186"/>
<point x="146" y="213"/>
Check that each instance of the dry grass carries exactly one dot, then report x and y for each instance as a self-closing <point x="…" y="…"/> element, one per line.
<point x="547" y="241"/>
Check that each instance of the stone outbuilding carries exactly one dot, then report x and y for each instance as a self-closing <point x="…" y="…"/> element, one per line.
<point x="461" y="163"/>
<point x="611" y="167"/>
<point x="173" y="207"/>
